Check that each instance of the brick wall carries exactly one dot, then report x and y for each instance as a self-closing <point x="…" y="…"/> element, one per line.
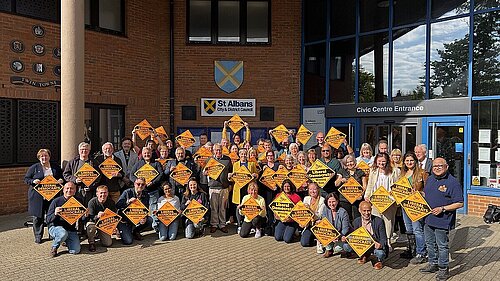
<point x="477" y="204"/>
<point x="13" y="192"/>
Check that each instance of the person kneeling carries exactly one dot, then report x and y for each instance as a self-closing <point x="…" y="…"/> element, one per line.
<point x="260" y="219"/>
<point x="96" y="207"/>
<point x="194" y="192"/>
<point x="375" y="226"/>
<point x="339" y="218"/>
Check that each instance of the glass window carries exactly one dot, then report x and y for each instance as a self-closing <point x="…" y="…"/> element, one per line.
<point x="409" y="11"/>
<point x="343" y="18"/>
<point x="229" y="21"/>
<point x="486" y="4"/>
<point x="411" y="138"/>
<point x="315" y="20"/>
<point x="200" y="18"/>
<point x="104" y="123"/>
<point x="449" y="58"/>
<point x="485" y="142"/>
<point x="46" y="9"/>
<point x="87" y="12"/>
<point x="486" y="55"/>
<point x="408" y="82"/>
<point x="342" y="69"/>
<point x="373" y="67"/>
<point x="314" y="74"/>
<point x="443" y="9"/>
<point x="374" y="15"/>
<point x="110" y="14"/>
<point x="257" y="21"/>
<point x="5" y="5"/>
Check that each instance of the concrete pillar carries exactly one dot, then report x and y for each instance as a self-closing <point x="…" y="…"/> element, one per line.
<point x="72" y="76"/>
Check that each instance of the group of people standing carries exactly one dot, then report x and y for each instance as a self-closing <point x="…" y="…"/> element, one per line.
<point x="427" y="238"/>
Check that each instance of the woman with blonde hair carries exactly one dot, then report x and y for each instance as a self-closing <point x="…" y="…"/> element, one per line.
<point x="365" y="154"/>
<point x="396" y="159"/>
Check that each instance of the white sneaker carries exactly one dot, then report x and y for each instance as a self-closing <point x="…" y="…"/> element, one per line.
<point x="258" y="233"/>
<point x="319" y="248"/>
<point x="252" y="231"/>
<point x="239" y="228"/>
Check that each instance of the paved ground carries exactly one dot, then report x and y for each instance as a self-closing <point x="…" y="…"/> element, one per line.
<point x="475" y="250"/>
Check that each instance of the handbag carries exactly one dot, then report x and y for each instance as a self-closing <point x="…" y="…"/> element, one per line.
<point x="492" y="214"/>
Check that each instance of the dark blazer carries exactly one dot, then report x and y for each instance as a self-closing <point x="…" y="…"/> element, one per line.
<point x="155" y="183"/>
<point x="378" y="227"/>
<point x="115" y="183"/>
<point x="179" y="189"/>
<point x="428" y="166"/>
<point x="36" y="204"/>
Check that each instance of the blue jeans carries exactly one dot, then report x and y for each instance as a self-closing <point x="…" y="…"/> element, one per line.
<point x="127" y="230"/>
<point x="437" y="245"/>
<point x="378" y="253"/>
<point x="190" y="230"/>
<point x="153" y="206"/>
<point x="284" y="231"/>
<point x="417" y="228"/>
<point x="70" y="237"/>
<point x="307" y="238"/>
<point x="169" y="232"/>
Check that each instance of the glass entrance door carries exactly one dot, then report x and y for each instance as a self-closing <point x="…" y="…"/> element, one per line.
<point x="401" y="136"/>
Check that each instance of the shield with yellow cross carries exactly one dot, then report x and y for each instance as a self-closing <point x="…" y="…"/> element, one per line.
<point x="228" y="74"/>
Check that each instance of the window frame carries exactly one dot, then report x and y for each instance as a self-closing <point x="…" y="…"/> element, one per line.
<point x="214" y="17"/>
<point x="94" y="19"/>
<point x="13" y="11"/>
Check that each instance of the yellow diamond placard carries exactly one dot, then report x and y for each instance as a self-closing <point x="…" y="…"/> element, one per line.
<point x="335" y="137"/>
<point x="262" y="157"/>
<point x="261" y="149"/>
<point x="87" y="174"/>
<point x="148" y="172"/>
<point x="267" y="178"/>
<point x="281" y="158"/>
<point x="416" y="207"/>
<point x="360" y="241"/>
<point x="351" y="190"/>
<point x="364" y="167"/>
<point x="298" y="176"/>
<point x="225" y="151"/>
<point x="72" y="210"/>
<point x="320" y="173"/>
<point x="162" y="134"/>
<point x="136" y="211"/>
<point x="234" y="157"/>
<point x="303" y="135"/>
<point x="202" y="155"/>
<point x="280" y="175"/>
<point x="250" y="208"/>
<point x="381" y="199"/>
<point x="401" y="189"/>
<point x="143" y="129"/>
<point x="167" y="213"/>
<point x="48" y="187"/>
<point x="214" y="168"/>
<point x="282" y="206"/>
<point x="109" y="167"/>
<point x="280" y="133"/>
<point x="186" y="139"/>
<point x="163" y="162"/>
<point x="181" y="174"/>
<point x="325" y="232"/>
<point x="242" y="176"/>
<point x="108" y="221"/>
<point x="301" y="214"/>
<point x="195" y="211"/>
<point x="235" y="123"/>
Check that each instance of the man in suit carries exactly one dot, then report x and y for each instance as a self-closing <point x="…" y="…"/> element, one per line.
<point x="375" y="226"/>
<point x="180" y="157"/>
<point x="129" y="158"/>
<point x="115" y="183"/>
<point x="424" y="162"/>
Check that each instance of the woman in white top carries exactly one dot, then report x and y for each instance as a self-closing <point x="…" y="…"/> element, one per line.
<point x="383" y="174"/>
<point x="316" y="203"/>
<point x="168" y="232"/>
<point x="365" y="154"/>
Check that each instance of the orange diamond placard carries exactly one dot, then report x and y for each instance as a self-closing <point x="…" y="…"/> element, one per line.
<point x="381" y="199"/>
<point x="364" y="167"/>
<point x="416" y="207"/>
<point x="360" y="241"/>
<point x="325" y="232"/>
<point x="303" y="135"/>
<point x="181" y="174"/>
<point x="282" y="206"/>
<point x="48" y="187"/>
<point x="195" y="211"/>
<point x="109" y="167"/>
<point x="351" y="190"/>
<point x="108" y="221"/>
<point x="234" y="157"/>
<point x="186" y="139"/>
<point x="143" y="129"/>
<point x="235" y="123"/>
<point x="136" y="211"/>
<point x="267" y="178"/>
<point x="72" y="210"/>
<point x="301" y="214"/>
<point x="162" y="134"/>
<point x="298" y="176"/>
<point x="87" y="174"/>
<point x="214" y="168"/>
<point x="148" y="172"/>
<point x="401" y="189"/>
<point x="280" y="133"/>
<point x="280" y="175"/>
<point x="202" y="155"/>
<point x="250" y="208"/>
<point x="167" y="213"/>
<point x="335" y="137"/>
<point x="320" y="173"/>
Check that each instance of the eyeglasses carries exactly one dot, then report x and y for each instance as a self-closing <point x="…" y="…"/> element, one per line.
<point x="440" y="166"/>
<point x="325" y="151"/>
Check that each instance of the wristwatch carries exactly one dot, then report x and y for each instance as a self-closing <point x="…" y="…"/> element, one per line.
<point x="443" y="209"/>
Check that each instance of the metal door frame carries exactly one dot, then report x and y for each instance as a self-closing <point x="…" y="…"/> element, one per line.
<point x="398" y="121"/>
<point x="354" y="129"/>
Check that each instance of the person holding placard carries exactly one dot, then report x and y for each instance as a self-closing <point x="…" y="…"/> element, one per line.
<point x="311" y="157"/>
<point x="236" y="137"/>
<point x="260" y="219"/>
<point x="332" y="163"/>
<point x="169" y="232"/>
<point x="194" y="192"/>
<point x="343" y="176"/>
<point x="382" y="174"/>
<point x="180" y="157"/>
<point x="316" y="203"/>
<point x="339" y="218"/>
<point x="376" y="227"/>
<point x="129" y="158"/>
<point x="444" y="195"/>
<point x="320" y="141"/>
<point x="96" y="208"/>
<point x="72" y="167"/>
<point x="116" y="181"/>
<point x="269" y="193"/>
<point x="285" y="229"/>
<point x="60" y="229"/>
<point x="416" y="176"/>
<point x="365" y="154"/>
<point x="37" y="206"/>
<point x="128" y="230"/>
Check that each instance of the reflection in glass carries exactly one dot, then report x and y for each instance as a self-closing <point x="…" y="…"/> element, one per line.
<point x="315" y="20"/>
<point x="397" y="137"/>
<point x="370" y="136"/>
<point x="442" y="9"/>
<point x="343" y="18"/>
<point x="486" y="60"/>
<point x="449" y="58"/>
<point x="314" y="74"/>
<point x="200" y="20"/>
<point x="374" y="15"/>
<point x="229" y="21"/>
<point x="342" y="67"/>
<point x="409" y="64"/>
<point x="486" y="4"/>
<point x="409" y="11"/>
<point x="448" y="140"/>
<point x="373" y="67"/>
<point x="257" y="22"/>
<point x="411" y="138"/>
